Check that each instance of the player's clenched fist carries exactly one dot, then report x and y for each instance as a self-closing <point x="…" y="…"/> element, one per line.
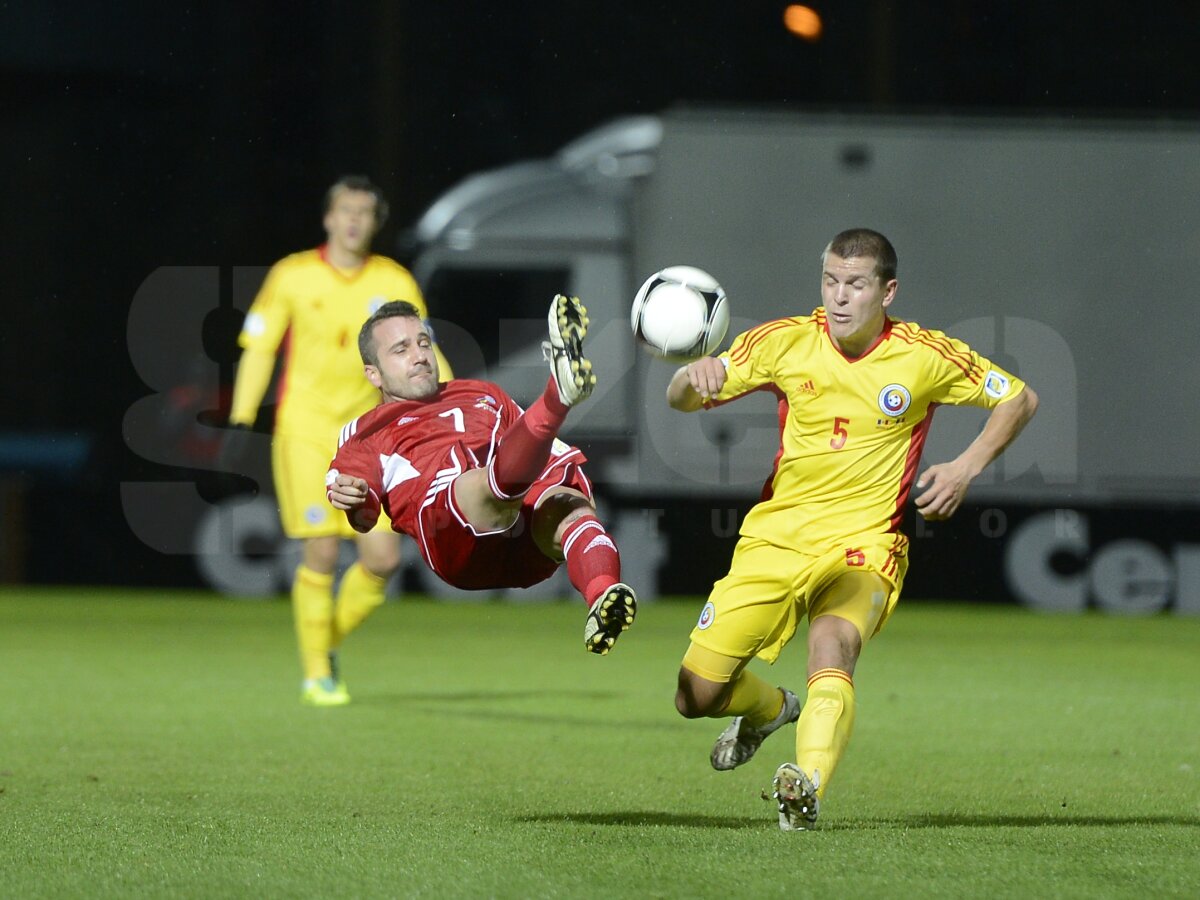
<point x="347" y="492"/>
<point x="707" y="376"/>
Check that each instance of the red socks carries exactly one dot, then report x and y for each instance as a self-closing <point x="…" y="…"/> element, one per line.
<point x="593" y="563"/>
<point x="525" y="448"/>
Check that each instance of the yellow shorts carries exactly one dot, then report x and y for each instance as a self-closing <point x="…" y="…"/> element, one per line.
<point x="754" y="610"/>
<point x="299" y="465"/>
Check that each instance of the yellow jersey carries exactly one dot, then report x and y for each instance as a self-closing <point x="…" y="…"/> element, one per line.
<point x="851" y="429"/>
<point x="315" y="310"/>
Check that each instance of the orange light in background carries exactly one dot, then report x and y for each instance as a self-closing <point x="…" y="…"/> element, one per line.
<point x="803" y="21"/>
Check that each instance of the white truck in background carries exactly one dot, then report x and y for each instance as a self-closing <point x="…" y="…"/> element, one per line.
<point x="1063" y="249"/>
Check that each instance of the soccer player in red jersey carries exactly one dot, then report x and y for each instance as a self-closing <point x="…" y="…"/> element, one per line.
<point x="489" y="493"/>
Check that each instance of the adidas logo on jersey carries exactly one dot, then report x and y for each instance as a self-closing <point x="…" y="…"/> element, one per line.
<point x="809" y="388"/>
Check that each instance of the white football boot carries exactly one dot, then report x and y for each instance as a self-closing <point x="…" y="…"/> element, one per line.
<point x="572" y="371"/>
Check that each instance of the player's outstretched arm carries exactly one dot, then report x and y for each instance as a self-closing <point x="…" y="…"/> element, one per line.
<point x="250" y="384"/>
<point x="943" y="486"/>
<point x="694" y="384"/>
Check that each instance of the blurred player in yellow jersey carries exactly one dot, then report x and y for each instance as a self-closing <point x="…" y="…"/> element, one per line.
<point x="311" y="306"/>
<point x="857" y="392"/>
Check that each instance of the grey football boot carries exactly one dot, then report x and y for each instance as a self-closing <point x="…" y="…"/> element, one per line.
<point x="741" y="740"/>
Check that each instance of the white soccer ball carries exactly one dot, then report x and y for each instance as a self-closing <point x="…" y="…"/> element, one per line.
<point x="679" y="314"/>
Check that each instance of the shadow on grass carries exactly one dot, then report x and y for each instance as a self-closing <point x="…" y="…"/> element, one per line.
<point x="960" y="820"/>
<point x="643" y="819"/>
<point x="487" y="696"/>
<point x="465" y="705"/>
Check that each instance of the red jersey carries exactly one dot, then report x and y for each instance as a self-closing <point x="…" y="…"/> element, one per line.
<point x="409" y="451"/>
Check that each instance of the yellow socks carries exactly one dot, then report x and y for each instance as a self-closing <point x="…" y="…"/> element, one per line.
<point x="320" y="626"/>
<point x="750" y="697"/>
<point x="358" y="596"/>
<point x="312" y="607"/>
<point x="754" y="699"/>
<point x="825" y="724"/>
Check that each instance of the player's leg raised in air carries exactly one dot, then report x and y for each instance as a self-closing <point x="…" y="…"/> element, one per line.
<point x="569" y="368"/>
<point x="564" y="521"/>
<point x="593" y="563"/>
<point x="565" y="526"/>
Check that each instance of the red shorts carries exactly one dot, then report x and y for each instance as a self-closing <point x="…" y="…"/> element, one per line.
<point x="466" y="559"/>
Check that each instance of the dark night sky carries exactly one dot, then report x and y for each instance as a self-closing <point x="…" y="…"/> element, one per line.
<point x="205" y="134"/>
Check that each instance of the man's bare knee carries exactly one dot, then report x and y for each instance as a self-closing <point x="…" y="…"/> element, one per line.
<point x="320" y="554"/>
<point x="697" y="698"/>
<point x="379" y="553"/>
<point x="555" y="511"/>
<point x="833" y="643"/>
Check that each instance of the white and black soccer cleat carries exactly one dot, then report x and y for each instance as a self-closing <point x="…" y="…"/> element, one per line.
<point x="611" y="614"/>
<point x="571" y="370"/>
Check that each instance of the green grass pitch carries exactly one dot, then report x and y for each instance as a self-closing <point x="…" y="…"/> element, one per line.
<point x="154" y="745"/>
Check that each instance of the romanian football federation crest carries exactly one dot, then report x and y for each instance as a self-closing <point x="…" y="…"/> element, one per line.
<point x="894" y="400"/>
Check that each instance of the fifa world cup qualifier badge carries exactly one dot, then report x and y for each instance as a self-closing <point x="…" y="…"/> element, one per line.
<point x="995" y="384"/>
<point x="706" y="616"/>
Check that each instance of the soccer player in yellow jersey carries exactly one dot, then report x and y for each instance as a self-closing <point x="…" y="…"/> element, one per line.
<point x="311" y="306"/>
<point x="857" y="392"/>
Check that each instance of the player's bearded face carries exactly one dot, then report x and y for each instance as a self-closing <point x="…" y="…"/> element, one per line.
<point x="406" y="367"/>
<point x="855" y="298"/>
